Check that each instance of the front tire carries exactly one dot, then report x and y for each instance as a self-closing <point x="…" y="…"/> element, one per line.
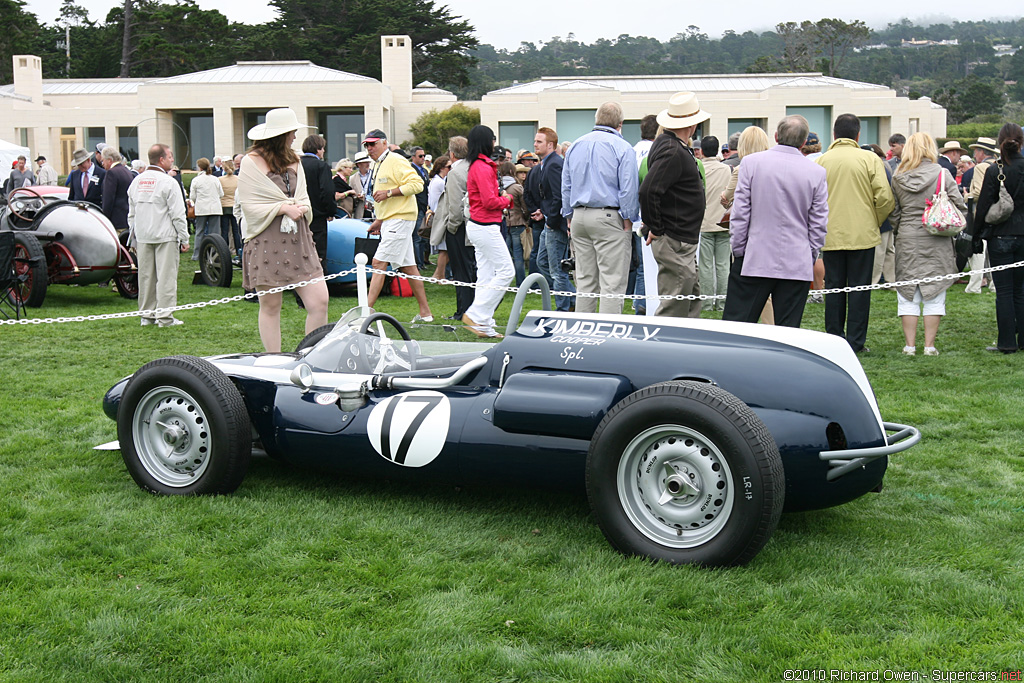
<point x="30" y="270"/>
<point x="184" y="429"/>
<point x="685" y="472"/>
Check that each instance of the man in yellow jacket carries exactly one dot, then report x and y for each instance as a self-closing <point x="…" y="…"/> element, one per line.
<point x="859" y="200"/>
<point x="395" y="184"/>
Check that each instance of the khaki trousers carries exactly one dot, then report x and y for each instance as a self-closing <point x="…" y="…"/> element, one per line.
<point x="677" y="274"/>
<point x="158" y="277"/>
<point x="602" y="249"/>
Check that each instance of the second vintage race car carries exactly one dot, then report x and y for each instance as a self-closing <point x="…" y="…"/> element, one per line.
<point x="58" y="241"/>
<point x="691" y="436"/>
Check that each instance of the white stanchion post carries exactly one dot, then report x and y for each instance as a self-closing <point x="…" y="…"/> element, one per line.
<point x="361" y="293"/>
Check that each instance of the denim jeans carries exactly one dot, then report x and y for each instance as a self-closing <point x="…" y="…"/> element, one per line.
<point x="420" y="246"/>
<point x="515" y="246"/>
<point x="555" y="248"/>
<point x="228" y="222"/>
<point x="204" y="226"/>
<point x="637" y="285"/>
<point x="1009" y="290"/>
<point x="538" y="232"/>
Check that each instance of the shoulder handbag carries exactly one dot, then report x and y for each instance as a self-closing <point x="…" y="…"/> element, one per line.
<point x="1002" y="208"/>
<point x="428" y="220"/>
<point x="940" y="217"/>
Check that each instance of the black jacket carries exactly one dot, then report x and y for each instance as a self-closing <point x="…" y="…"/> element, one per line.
<point x="672" y="195"/>
<point x="115" y="195"/>
<point x="543" y="191"/>
<point x="421" y="197"/>
<point x="1014" y="172"/>
<point x="95" y="194"/>
<point x="319" y="186"/>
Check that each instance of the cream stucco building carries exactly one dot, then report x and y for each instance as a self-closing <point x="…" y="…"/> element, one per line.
<point x="207" y="113"/>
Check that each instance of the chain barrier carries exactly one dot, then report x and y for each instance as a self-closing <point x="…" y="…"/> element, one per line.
<point x="473" y="285"/>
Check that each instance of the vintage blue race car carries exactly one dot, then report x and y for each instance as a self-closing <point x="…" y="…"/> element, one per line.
<point x="691" y="436"/>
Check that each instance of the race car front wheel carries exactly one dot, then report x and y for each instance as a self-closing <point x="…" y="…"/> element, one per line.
<point x="685" y="472"/>
<point x="184" y="429"/>
<point x="215" y="261"/>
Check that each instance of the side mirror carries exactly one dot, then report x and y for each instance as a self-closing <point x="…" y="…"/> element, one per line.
<point x="302" y="377"/>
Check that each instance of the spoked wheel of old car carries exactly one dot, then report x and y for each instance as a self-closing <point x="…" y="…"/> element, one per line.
<point x="126" y="279"/>
<point x="184" y="429"/>
<point x="29" y="270"/>
<point x="381" y="355"/>
<point x="685" y="472"/>
<point x="215" y="261"/>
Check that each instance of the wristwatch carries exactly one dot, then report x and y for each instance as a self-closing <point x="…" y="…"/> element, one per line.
<point x="389" y="193"/>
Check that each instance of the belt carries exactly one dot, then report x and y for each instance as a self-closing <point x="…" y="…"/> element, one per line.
<point x="602" y="208"/>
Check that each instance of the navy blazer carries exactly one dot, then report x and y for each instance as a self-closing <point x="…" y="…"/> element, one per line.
<point x="115" y="195"/>
<point x="95" y="194"/>
<point x="549" y="189"/>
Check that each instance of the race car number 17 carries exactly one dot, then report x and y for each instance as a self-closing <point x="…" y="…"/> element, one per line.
<point x="410" y="429"/>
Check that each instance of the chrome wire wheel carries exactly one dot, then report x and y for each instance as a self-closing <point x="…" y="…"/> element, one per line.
<point x="171" y="436"/>
<point x="676" y="486"/>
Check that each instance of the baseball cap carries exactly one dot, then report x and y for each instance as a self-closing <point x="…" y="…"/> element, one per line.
<point x="375" y="135"/>
<point x="812" y="139"/>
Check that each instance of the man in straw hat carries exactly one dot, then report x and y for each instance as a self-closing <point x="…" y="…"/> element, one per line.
<point x="86" y="181"/>
<point x="985" y="153"/>
<point x="949" y="155"/>
<point x="672" y="203"/>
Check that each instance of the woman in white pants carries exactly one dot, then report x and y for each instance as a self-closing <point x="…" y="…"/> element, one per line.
<point x="487" y="202"/>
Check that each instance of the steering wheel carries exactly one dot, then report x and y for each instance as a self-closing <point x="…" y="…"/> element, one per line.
<point x="23" y="193"/>
<point x="383" y="355"/>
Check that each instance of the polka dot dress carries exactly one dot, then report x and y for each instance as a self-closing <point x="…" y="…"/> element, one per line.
<point x="274" y="258"/>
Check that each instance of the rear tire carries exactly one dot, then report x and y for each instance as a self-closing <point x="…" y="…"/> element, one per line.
<point x="215" y="261"/>
<point x="685" y="472"/>
<point x="184" y="429"/>
<point x="314" y="337"/>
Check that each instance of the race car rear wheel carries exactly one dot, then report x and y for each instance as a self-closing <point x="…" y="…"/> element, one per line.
<point x="30" y="270"/>
<point x="685" y="472"/>
<point x="314" y="337"/>
<point x="215" y="261"/>
<point x="184" y="429"/>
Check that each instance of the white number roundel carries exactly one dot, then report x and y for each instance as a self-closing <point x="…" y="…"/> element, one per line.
<point x="410" y="429"/>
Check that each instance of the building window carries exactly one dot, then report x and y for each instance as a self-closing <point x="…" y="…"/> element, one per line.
<point x="343" y="129"/>
<point x="572" y="124"/>
<point x="869" y="130"/>
<point x="193" y="137"/>
<point x="67" y="131"/>
<point x="93" y="137"/>
<point x="820" y="120"/>
<point x="517" y="135"/>
<point x="23" y="137"/>
<point x="128" y="143"/>
<point x="631" y="131"/>
<point x="739" y="125"/>
<point x="915" y="126"/>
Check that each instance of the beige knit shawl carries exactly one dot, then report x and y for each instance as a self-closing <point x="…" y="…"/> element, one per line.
<point x="261" y="200"/>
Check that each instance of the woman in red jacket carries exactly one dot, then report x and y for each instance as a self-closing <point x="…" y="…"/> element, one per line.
<point x="487" y="201"/>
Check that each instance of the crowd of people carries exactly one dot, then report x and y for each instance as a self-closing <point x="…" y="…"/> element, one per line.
<point x="760" y="225"/>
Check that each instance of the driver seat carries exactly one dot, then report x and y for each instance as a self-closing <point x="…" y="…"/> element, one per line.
<point x="10" y="303"/>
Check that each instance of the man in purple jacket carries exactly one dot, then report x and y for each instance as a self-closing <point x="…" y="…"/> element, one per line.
<point x="779" y="218"/>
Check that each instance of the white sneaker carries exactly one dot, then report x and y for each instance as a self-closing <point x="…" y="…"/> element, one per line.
<point x="172" y="323"/>
<point x="147" y="321"/>
<point x="931" y="351"/>
<point x="422" y="319"/>
<point x="910" y="351"/>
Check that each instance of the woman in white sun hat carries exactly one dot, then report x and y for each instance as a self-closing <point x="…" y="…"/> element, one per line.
<point x="278" y="244"/>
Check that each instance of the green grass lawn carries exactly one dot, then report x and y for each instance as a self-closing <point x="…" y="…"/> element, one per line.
<point x="302" y="577"/>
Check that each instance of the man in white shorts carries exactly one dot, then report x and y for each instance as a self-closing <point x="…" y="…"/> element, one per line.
<point x="395" y="184"/>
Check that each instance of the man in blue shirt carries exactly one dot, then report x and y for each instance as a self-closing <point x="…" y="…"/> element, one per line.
<point x="600" y="203"/>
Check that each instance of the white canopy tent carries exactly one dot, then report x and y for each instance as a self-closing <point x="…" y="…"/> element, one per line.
<point x="9" y="153"/>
